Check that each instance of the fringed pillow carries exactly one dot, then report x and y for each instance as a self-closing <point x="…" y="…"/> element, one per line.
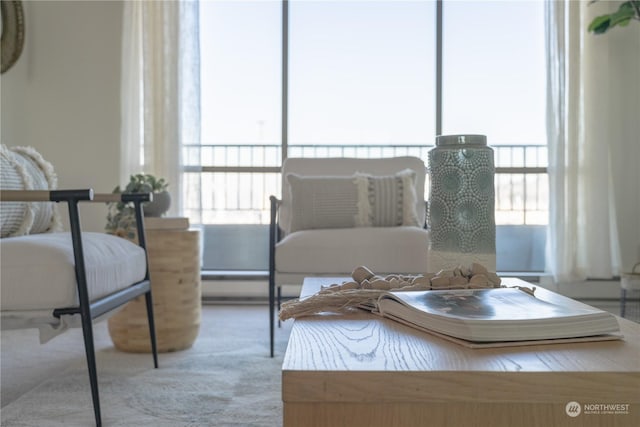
<point x="23" y="168"/>
<point x="387" y="201"/>
<point x="360" y="200"/>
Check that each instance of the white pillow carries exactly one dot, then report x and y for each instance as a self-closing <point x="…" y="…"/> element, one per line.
<point x="322" y="202"/>
<point x="360" y="200"/>
<point x="23" y="168"/>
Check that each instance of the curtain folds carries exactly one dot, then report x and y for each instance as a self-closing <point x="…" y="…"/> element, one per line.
<point x="160" y="90"/>
<point x="592" y="131"/>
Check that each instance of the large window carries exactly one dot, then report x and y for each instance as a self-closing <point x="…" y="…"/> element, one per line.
<point x="493" y="83"/>
<point x="359" y="78"/>
<point x="361" y="73"/>
<point x="493" y="70"/>
<point x="241" y="70"/>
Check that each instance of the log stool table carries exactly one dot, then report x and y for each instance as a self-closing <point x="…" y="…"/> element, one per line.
<point x="174" y="268"/>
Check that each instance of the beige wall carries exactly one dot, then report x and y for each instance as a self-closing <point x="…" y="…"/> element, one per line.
<point x="63" y="95"/>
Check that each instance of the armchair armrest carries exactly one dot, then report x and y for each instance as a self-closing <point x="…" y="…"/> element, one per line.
<point x="66" y="195"/>
<point x="274" y="222"/>
<point x="274" y="219"/>
<point x="274" y="237"/>
<point x="72" y="197"/>
<point x="122" y="197"/>
<point x="426" y="209"/>
<point x="45" y="195"/>
<point x="274" y="230"/>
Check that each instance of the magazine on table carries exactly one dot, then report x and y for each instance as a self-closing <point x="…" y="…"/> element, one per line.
<point x="496" y="317"/>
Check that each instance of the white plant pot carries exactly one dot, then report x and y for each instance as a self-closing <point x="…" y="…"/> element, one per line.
<point x="159" y="206"/>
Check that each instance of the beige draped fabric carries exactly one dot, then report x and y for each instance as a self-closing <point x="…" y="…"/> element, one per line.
<point x="594" y="143"/>
<point x="160" y="89"/>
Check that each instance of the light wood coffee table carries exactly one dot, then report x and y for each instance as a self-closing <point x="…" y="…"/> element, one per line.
<point x="362" y="370"/>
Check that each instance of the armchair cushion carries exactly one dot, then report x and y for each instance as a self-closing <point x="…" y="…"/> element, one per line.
<point x="383" y="249"/>
<point x="38" y="270"/>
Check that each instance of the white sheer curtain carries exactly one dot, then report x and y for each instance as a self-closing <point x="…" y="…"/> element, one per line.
<point x="593" y="136"/>
<point x="160" y="89"/>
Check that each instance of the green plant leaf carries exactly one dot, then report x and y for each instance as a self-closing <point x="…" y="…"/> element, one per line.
<point x="624" y="23"/>
<point x="600" y="24"/>
<point x="624" y="13"/>
<point x="622" y="17"/>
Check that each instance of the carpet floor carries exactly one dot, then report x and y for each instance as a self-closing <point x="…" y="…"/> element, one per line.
<point x="226" y="379"/>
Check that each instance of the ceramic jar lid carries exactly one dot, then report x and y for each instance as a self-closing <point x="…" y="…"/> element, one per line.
<point x="442" y="140"/>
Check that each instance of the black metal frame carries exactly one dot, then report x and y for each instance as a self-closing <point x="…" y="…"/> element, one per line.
<point x="89" y="310"/>
<point x="275" y="234"/>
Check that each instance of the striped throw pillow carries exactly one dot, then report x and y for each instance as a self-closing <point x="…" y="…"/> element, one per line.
<point x="360" y="200"/>
<point x="23" y="168"/>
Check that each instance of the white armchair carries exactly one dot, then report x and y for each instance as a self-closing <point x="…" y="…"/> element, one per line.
<point x="338" y="213"/>
<point x="53" y="280"/>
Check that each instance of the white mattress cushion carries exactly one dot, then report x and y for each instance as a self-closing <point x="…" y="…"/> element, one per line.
<point x="339" y="251"/>
<point x="38" y="270"/>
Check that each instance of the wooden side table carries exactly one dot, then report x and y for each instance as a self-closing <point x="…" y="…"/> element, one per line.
<point x="174" y="268"/>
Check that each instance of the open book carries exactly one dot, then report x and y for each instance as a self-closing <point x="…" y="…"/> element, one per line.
<point x="496" y="317"/>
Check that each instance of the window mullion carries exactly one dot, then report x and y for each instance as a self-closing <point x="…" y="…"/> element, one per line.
<point x="285" y="78"/>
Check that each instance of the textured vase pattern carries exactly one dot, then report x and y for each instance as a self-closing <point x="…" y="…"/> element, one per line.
<point x="461" y="213"/>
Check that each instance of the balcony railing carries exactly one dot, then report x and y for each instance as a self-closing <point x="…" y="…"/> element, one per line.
<point x="231" y="184"/>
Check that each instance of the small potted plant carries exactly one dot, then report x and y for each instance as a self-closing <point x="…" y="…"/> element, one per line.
<point x="121" y="218"/>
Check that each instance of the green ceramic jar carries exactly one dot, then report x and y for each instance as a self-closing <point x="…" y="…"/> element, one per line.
<point x="461" y="215"/>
